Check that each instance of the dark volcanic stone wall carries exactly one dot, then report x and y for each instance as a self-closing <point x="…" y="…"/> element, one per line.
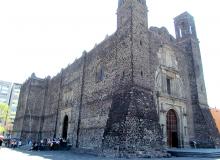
<point x="133" y="123"/>
<point x="31" y="105"/>
<point x="50" y="108"/>
<point x="21" y="109"/>
<point x="96" y="94"/>
<point x="115" y="131"/>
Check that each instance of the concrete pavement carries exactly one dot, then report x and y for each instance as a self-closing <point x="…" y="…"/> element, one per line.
<point x="16" y="154"/>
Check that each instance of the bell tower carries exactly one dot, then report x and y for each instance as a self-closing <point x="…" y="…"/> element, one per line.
<point x="187" y="38"/>
<point x="202" y="119"/>
<point x="132" y="12"/>
<point x="185" y="26"/>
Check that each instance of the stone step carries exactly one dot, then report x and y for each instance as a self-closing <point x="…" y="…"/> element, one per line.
<point x="200" y="153"/>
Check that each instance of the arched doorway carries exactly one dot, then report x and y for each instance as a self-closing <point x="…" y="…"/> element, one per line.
<point x="172" y="129"/>
<point x="65" y="127"/>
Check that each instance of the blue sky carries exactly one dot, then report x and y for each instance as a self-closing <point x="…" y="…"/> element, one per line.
<point x="44" y="36"/>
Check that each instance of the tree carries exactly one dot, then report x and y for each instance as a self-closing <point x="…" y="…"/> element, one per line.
<point x="4" y="118"/>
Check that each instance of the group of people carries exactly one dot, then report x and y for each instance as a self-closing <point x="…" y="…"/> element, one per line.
<point x="11" y="143"/>
<point x="48" y="144"/>
<point x="44" y="144"/>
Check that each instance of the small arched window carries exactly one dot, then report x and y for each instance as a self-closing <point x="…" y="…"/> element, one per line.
<point x="100" y="73"/>
<point x="169" y="85"/>
<point x="141" y="43"/>
<point x="141" y="73"/>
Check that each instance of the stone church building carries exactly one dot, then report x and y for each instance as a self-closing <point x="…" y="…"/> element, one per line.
<point x="139" y="89"/>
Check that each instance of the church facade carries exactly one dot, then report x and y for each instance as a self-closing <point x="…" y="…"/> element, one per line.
<point x="139" y="89"/>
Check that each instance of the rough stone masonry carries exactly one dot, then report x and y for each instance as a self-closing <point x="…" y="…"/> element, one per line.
<point x="139" y="91"/>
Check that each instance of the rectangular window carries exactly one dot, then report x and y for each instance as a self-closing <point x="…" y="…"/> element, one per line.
<point x="5" y="87"/>
<point x="185" y="130"/>
<point x="169" y="86"/>
<point x="5" y="92"/>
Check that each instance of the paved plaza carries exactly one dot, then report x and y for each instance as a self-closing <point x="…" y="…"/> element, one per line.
<point x="16" y="154"/>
